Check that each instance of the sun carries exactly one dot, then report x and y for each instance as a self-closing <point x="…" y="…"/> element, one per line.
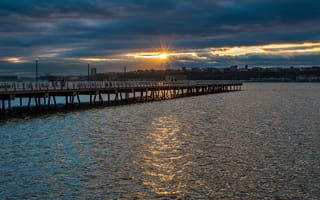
<point x="163" y="56"/>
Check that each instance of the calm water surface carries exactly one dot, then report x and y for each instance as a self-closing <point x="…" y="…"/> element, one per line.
<point x="260" y="143"/>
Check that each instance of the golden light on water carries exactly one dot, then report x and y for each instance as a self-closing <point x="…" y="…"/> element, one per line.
<point x="269" y="49"/>
<point x="163" y="166"/>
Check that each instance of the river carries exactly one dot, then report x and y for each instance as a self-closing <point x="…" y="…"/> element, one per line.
<point x="259" y="143"/>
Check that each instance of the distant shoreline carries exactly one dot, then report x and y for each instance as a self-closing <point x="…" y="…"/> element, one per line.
<point x="256" y="74"/>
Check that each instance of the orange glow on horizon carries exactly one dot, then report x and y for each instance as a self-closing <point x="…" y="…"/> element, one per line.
<point x="271" y="49"/>
<point x="100" y="59"/>
<point x="14" y="60"/>
<point x="165" y="55"/>
<point x="149" y="55"/>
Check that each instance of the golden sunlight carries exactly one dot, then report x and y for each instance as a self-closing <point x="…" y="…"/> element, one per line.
<point x="163" y="56"/>
<point x="14" y="60"/>
<point x="149" y="55"/>
<point x="100" y="59"/>
<point x="271" y="49"/>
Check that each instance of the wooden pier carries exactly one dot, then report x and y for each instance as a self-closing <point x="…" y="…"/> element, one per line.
<point x="39" y="95"/>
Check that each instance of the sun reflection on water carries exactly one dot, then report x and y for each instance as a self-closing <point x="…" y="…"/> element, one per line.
<point x="163" y="158"/>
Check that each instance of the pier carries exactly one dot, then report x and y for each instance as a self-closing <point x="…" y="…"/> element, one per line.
<point x="43" y="95"/>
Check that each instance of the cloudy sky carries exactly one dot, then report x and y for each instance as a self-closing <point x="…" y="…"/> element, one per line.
<point x="66" y="35"/>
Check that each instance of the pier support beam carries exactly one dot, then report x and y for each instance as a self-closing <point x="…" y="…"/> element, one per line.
<point x="3" y="106"/>
<point x="54" y="101"/>
<point x="49" y="100"/>
<point x="78" y="98"/>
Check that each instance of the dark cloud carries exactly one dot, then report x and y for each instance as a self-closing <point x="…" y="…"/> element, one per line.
<point x="93" y="28"/>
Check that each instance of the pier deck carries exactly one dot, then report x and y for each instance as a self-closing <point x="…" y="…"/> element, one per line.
<point x="44" y="94"/>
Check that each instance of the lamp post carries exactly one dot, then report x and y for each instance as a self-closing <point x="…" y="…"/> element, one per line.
<point x="36" y="73"/>
<point x="88" y="72"/>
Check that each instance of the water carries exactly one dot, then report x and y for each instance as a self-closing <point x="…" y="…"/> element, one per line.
<point x="260" y="143"/>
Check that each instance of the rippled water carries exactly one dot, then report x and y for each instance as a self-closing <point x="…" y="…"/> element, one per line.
<point x="262" y="142"/>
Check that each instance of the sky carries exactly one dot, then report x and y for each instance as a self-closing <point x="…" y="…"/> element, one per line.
<point x="67" y="35"/>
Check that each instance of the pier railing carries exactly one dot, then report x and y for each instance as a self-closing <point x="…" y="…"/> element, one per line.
<point x="73" y="85"/>
<point x="46" y="94"/>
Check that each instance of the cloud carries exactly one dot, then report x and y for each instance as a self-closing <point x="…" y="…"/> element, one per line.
<point x="78" y="29"/>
